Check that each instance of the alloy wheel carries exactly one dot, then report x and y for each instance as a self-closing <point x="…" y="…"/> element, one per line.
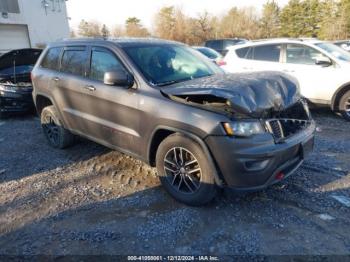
<point x="182" y="170"/>
<point x="347" y="106"/>
<point x="51" y="130"/>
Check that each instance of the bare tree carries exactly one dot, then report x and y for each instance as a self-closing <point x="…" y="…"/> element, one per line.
<point x="203" y="28"/>
<point x="89" y="29"/>
<point x="72" y="33"/>
<point x="105" y="31"/>
<point x="118" y="31"/>
<point x="240" y="22"/>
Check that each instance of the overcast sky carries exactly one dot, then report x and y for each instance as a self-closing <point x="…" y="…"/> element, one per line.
<point x="112" y="12"/>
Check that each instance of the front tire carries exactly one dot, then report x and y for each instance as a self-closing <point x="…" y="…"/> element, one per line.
<point x="55" y="133"/>
<point x="184" y="171"/>
<point x="344" y="105"/>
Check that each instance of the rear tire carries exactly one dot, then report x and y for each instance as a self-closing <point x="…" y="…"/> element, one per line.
<point x="55" y="133"/>
<point x="184" y="171"/>
<point x="344" y="105"/>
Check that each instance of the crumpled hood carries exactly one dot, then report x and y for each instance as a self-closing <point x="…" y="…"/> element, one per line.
<point x="247" y="93"/>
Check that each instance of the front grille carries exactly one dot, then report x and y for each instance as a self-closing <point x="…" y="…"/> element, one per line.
<point x="284" y="128"/>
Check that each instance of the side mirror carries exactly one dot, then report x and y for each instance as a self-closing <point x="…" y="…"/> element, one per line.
<point x="118" y="78"/>
<point x="323" y="61"/>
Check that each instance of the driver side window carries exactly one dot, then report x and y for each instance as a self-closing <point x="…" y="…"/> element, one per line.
<point x="102" y="62"/>
<point x="301" y="54"/>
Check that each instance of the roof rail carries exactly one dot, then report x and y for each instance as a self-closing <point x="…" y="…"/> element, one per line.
<point x="301" y="39"/>
<point x="83" y="38"/>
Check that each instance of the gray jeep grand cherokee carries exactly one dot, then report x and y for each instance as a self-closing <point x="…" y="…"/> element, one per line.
<point x="166" y="104"/>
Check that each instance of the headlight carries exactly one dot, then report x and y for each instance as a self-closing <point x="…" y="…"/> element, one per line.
<point x="8" y="88"/>
<point x="243" y="128"/>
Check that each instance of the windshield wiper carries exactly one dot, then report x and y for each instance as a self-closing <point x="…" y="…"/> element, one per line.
<point x="180" y="80"/>
<point x="166" y="83"/>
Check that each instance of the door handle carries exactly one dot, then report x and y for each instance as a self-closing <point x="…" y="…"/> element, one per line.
<point x="56" y="79"/>
<point x="90" y="88"/>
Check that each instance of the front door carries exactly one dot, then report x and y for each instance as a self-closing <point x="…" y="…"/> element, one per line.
<point x="316" y="81"/>
<point x="111" y="111"/>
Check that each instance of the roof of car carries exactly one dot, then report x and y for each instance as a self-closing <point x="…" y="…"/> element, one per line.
<point x="342" y="41"/>
<point x="277" y="41"/>
<point x="200" y="47"/>
<point x="122" y="41"/>
<point x="225" y="39"/>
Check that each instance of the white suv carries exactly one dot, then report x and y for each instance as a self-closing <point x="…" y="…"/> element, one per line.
<point x="322" y="68"/>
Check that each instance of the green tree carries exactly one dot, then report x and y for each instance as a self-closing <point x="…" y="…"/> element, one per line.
<point x="134" y="28"/>
<point x="303" y="18"/>
<point x="313" y="17"/>
<point x="270" y="20"/>
<point x="331" y="23"/>
<point x="292" y="19"/>
<point x="165" y="22"/>
<point x="344" y="18"/>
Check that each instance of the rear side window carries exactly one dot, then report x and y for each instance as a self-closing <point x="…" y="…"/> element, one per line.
<point x="102" y="62"/>
<point x="73" y="62"/>
<point x="52" y="58"/>
<point x="243" y="52"/>
<point x="270" y="53"/>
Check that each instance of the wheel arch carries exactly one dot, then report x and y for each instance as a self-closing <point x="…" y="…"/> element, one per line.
<point x="338" y="94"/>
<point x="42" y="101"/>
<point x="162" y="132"/>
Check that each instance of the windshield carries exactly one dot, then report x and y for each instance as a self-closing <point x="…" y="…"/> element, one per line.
<point x="336" y="51"/>
<point x="212" y="54"/>
<point x="167" y="64"/>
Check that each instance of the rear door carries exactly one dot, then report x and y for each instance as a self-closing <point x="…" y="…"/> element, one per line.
<point x="69" y="87"/>
<point x="265" y="57"/>
<point x="110" y="112"/>
<point x="46" y="74"/>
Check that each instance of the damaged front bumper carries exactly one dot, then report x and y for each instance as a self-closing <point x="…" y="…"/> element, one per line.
<point x="15" y="102"/>
<point x="254" y="163"/>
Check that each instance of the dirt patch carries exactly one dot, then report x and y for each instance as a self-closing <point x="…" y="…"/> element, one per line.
<point x="91" y="200"/>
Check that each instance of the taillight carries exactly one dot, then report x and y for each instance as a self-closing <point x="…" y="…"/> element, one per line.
<point x="221" y="63"/>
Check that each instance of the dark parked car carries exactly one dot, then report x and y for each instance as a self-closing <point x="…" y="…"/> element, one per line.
<point x="164" y="103"/>
<point x="15" y="83"/>
<point x="211" y="54"/>
<point x="221" y="45"/>
<point x="345" y="44"/>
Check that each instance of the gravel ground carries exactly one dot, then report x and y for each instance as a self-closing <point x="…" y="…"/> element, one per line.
<point x="91" y="200"/>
